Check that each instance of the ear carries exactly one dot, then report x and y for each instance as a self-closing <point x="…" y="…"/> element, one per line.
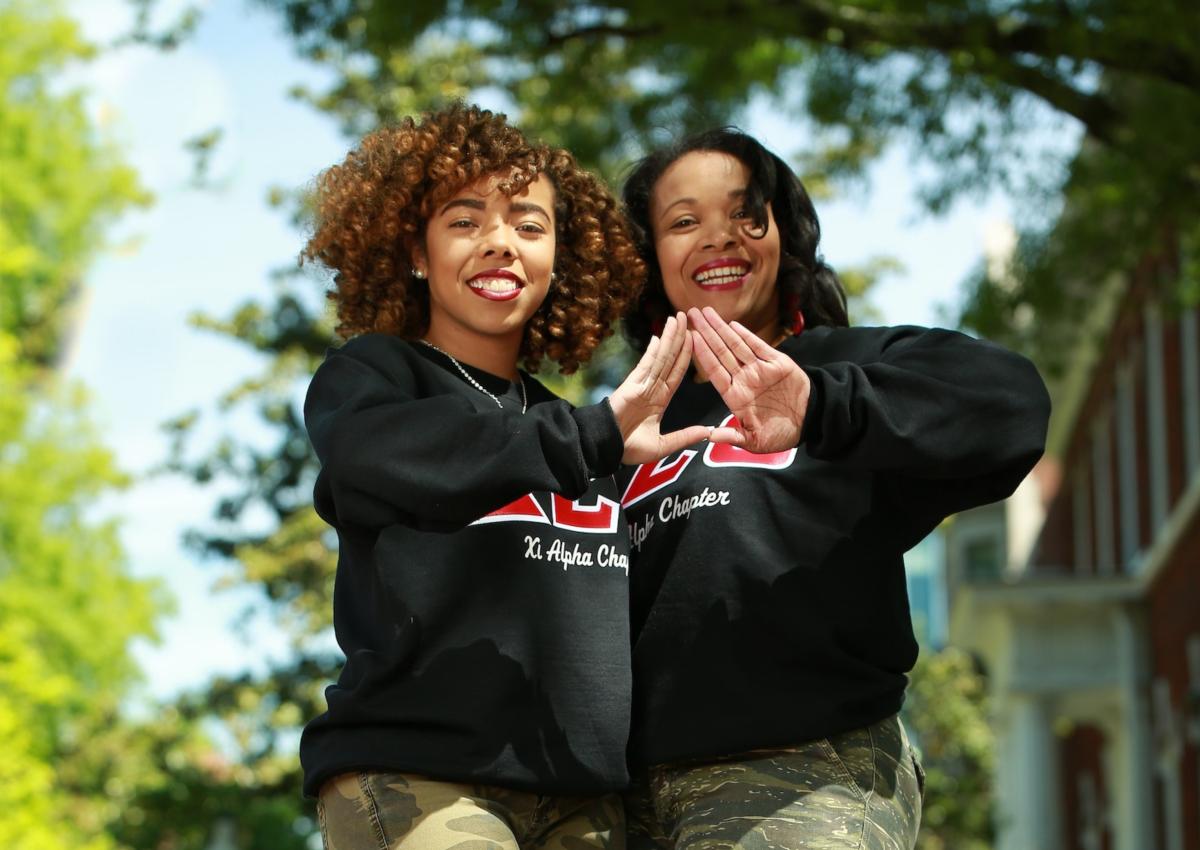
<point x="420" y="262"/>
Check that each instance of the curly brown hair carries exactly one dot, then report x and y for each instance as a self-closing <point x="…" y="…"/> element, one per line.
<point x="371" y="212"/>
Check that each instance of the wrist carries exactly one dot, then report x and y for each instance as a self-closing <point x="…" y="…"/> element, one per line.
<point x="809" y="409"/>
<point x="601" y="441"/>
<point x="621" y="413"/>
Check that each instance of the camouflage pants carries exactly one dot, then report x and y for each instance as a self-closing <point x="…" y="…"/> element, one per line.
<point x="856" y="791"/>
<point x="403" y="811"/>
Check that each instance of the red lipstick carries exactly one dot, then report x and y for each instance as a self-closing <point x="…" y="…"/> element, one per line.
<point x="496" y="284"/>
<point x="721" y="274"/>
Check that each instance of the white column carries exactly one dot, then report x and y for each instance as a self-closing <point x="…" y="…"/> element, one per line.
<point x="1168" y="739"/>
<point x="1031" y="819"/>
<point x="1192" y="718"/>
<point x="1156" y="417"/>
<point x="1004" y="776"/>
<point x="1133" y="753"/>
<point x="1091" y="815"/>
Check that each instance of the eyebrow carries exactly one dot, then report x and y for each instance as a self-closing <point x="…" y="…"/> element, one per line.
<point x="736" y="193"/>
<point x="526" y="206"/>
<point x="470" y="203"/>
<point x="476" y="204"/>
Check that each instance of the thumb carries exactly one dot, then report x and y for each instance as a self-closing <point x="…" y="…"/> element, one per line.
<point x="681" y="439"/>
<point x="730" y="436"/>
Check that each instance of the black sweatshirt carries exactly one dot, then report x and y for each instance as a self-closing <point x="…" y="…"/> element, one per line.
<point x="769" y="604"/>
<point x="481" y="596"/>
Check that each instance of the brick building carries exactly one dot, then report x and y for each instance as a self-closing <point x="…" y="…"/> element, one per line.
<point x="1081" y="594"/>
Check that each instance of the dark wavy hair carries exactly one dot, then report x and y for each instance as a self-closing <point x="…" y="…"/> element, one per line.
<point x="804" y="281"/>
<point x="371" y="211"/>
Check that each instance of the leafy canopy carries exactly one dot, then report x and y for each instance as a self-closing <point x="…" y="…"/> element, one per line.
<point x="68" y="612"/>
<point x="61" y="183"/>
<point x="69" y="607"/>
<point x="983" y="92"/>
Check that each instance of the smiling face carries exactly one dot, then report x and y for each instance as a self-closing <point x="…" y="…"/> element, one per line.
<point x="702" y="240"/>
<point x="488" y="258"/>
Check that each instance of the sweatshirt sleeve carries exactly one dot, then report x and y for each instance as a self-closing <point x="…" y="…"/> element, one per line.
<point x="389" y="455"/>
<point x="950" y="422"/>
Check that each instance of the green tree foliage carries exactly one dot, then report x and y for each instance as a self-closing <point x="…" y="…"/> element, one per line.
<point x="946" y="710"/>
<point x="950" y="73"/>
<point x="60" y="183"/>
<point x="69" y="608"/>
<point x="963" y="82"/>
<point x="68" y="612"/>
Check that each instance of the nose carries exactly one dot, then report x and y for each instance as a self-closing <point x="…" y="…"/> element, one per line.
<point x="497" y="241"/>
<point x="719" y="236"/>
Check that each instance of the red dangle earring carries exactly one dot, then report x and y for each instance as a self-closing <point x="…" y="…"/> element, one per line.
<point x="797" y="315"/>
<point x="657" y="325"/>
<point x="798" y="322"/>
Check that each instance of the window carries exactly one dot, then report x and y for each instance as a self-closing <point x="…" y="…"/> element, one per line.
<point x="981" y="558"/>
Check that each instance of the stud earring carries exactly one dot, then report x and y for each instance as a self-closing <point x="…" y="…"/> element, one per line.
<point x="417" y="273"/>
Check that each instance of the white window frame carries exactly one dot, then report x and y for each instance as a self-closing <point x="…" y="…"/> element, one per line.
<point x="1102" y="493"/>
<point x="1081" y="509"/>
<point x="1156" y="417"/>
<point x="1189" y="356"/>
<point x="1128" y="494"/>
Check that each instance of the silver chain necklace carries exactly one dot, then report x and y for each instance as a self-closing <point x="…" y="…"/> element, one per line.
<point x="475" y="383"/>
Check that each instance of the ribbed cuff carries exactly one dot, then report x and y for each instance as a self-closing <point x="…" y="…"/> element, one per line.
<point x="599" y="438"/>
<point x="810" y="431"/>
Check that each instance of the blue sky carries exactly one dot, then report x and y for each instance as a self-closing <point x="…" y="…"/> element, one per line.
<point x="210" y="250"/>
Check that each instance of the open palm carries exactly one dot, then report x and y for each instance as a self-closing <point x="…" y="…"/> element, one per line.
<point x="640" y="401"/>
<point x="762" y="387"/>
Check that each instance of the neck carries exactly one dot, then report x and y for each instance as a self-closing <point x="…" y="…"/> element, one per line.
<point x="771" y="332"/>
<point x="496" y="355"/>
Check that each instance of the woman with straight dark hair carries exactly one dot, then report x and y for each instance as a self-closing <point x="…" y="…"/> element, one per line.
<point x="771" y="627"/>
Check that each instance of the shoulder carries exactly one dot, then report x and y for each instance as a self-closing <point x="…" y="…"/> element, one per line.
<point x="374" y="357"/>
<point x="860" y="343"/>
<point x="953" y="355"/>
<point x="385" y="352"/>
<point x="373" y="347"/>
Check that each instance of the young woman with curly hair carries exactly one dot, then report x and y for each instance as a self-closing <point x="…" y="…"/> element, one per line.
<point x="771" y="626"/>
<point x="481" y="592"/>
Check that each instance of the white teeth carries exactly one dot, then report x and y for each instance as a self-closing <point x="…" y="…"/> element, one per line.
<point x="494" y="284"/>
<point x="724" y="274"/>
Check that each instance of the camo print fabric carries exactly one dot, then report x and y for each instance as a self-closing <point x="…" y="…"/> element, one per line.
<point x="857" y="791"/>
<point x="386" y="811"/>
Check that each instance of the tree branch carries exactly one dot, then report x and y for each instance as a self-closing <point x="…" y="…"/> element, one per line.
<point x="1066" y="38"/>
<point x="1094" y="111"/>
<point x="857" y="30"/>
<point x="557" y="39"/>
